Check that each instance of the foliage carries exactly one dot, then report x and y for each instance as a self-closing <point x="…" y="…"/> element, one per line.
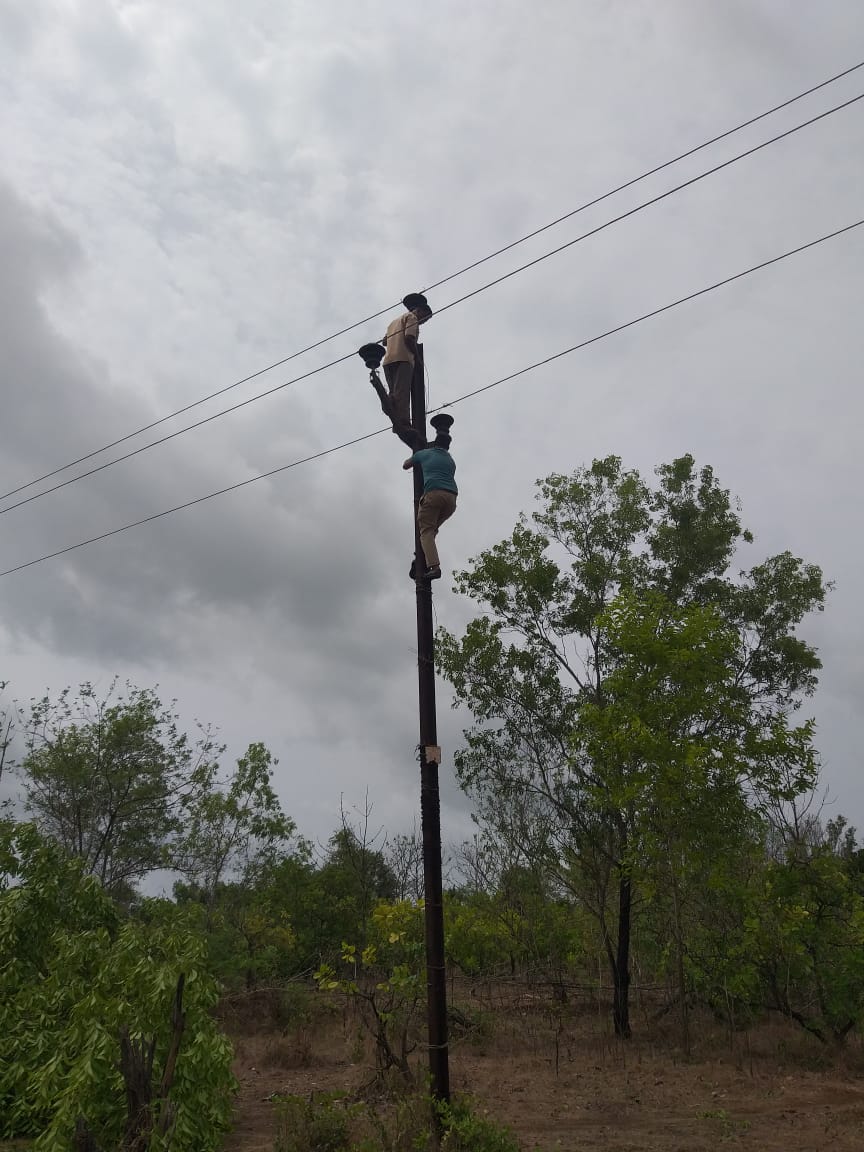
<point x="404" y="858"/>
<point x="356" y="876"/>
<point x="235" y="829"/>
<point x="317" y="1124"/>
<point x="111" y="779"/>
<point x="75" y="975"/>
<point x="513" y="930"/>
<point x="806" y="935"/>
<point x="384" y="981"/>
<point x="235" y="836"/>
<point x="324" y="1123"/>
<point x="466" y="1131"/>
<point x="616" y="666"/>
<point x="328" y="903"/>
<point x="249" y="937"/>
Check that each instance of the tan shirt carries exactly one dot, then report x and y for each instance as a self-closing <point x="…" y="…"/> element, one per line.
<point x="398" y="351"/>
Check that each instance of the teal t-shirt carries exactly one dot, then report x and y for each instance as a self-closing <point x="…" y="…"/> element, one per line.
<point x="439" y="468"/>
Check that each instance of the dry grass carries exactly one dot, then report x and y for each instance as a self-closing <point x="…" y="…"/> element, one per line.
<point x="289" y="1051"/>
<point x="558" y="1077"/>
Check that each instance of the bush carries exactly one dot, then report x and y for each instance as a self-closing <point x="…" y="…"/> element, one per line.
<point x="465" y="1131"/>
<point x="75" y="977"/>
<point x="313" y="1125"/>
<point x="384" y="982"/>
<point x="324" y="1124"/>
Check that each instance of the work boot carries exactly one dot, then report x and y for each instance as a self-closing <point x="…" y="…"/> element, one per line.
<point x="413" y="570"/>
<point x="433" y="573"/>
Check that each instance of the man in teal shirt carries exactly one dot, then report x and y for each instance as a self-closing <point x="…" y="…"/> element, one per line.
<point x="438" y="502"/>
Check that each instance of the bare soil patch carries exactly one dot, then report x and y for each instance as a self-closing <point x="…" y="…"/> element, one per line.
<point x="563" y="1083"/>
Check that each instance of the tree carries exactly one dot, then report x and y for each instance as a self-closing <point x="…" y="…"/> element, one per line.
<point x="804" y="934"/>
<point x="681" y="757"/>
<point x="111" y="780"/>
<point x="7" y="732"/>
<point x="404" y="856"/>
<point x="235" y="829"/>
<point x="558" y="739"/>
<point x="235" y="836"/>
<point x="355" y="876"/>
<point x="806" y="937"/>
<point x="508" y="910"/>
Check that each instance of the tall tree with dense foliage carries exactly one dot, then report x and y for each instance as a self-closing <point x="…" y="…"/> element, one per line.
<point x="617" y="664"/>
<point x="111" y="779"/>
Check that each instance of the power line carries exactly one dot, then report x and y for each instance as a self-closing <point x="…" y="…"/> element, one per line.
<point x="645" y="175"/>
<point x="173" y="435"/>
<point x="653" y="200"/>
<point x="438" y="283"/>
<point x="198" y="500"/>
<point x="458" y="400"/>
<point x="648" y="315"/>
<point x="453" y="303"/>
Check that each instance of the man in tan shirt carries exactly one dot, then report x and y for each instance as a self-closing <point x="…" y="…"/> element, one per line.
<point x="401" y="346"/>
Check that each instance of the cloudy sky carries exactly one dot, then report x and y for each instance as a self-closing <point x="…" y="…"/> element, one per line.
<point x="190" y="192"/>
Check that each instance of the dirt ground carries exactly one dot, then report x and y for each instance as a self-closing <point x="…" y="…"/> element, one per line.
<point x="569" y="1086"/>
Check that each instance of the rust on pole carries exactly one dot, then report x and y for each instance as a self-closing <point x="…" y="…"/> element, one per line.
<point x="430" y="804"/>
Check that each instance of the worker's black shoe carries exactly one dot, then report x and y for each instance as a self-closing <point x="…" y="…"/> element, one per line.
<point x="412" y="572"/>
<point x="433" y="573"/>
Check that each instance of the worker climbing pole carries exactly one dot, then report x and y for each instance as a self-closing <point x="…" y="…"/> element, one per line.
<point x="433" y="475"/>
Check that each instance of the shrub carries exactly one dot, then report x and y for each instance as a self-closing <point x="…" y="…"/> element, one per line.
<point x="466" y="1131"/>
<point x="74" y="978"/>
<point x="312" y="1125"/>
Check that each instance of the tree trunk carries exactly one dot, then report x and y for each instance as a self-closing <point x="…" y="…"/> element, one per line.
<point x="84" y="1141"/>
<point x="621" y="964"/>
<point x="680" y="973"/>
<point x="144" y="1099"/>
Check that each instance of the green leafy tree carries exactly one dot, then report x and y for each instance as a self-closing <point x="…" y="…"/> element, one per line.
<point x="235" y="836"/>
<point x="354" y="878"/>
<point x="508" y="915"/>
<point x="249" y="937"/>
<point x="804" y="931"/>
<point x="682" y="757"/>
<point x="534" y="668"/>
<point x="806" y="935"/>
<point x="235" y="830"/>
<point x="78" y="981"/>
<point x="112" y="779"/>
<point x="294" y="888"/>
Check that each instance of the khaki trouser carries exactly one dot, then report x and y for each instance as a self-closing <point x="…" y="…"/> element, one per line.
<point x="398" y="377"/>
<point x="435" y="507"/>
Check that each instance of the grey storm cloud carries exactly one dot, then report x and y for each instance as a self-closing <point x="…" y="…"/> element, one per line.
<point x="192" y="192"/>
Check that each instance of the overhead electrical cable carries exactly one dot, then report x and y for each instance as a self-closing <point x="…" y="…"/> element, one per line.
<point x="653" y="200"/>
<point x="444" y="308"/>
<point x="458" y="400"/>
<point x="644" y="176"/>
<point x="438" y="283"/>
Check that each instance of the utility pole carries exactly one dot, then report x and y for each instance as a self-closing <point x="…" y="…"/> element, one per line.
<point x="430" y="753"/>
<point x="430" y="803"/>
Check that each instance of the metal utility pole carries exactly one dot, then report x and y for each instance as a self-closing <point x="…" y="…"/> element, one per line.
<point x="430" y="804"/>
